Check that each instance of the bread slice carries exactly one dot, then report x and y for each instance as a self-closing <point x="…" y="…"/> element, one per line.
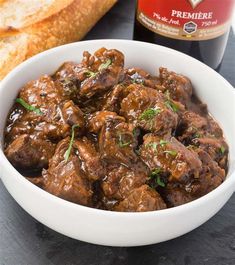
<point x="13" y="50"/>
<point x="69" y="24"/>
<point x="17" y="14"/>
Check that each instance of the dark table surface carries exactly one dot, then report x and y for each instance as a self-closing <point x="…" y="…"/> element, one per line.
<point x="24" y="241"/>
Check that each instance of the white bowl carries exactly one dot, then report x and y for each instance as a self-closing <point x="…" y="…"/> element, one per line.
<point x="116" y="228"/>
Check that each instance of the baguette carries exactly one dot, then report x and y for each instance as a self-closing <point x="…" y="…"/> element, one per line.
<point x="18" y="14"/>
<point x="28" y="37"/>
<point x="13" y="51"/>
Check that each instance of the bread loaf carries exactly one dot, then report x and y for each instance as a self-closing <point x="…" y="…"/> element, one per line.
<point x="27" y="29"/>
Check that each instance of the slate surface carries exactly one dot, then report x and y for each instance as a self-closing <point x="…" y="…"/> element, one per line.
<point x="24" y="241"/>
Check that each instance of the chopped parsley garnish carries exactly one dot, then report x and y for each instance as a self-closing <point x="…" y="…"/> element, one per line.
<point x="90" y="73"/>
<point x="222" y="150"/>
<point x="163" y="143"/>
<point x="155" y="176"/>
<point x="101" y="67"/>
<point x="122" y="142"/>
<point x="155" y="172"/>
<point x="196" y="135"/>
<point x="153" y="145"/>
<point x="160" y="182"/>
<point x="149" y="114"/>
<point x="29" y="107"/>
<point x="171" y="152"/>
<point x="169" y="103"/>
<point x="105" y="65"/>
<point x="68" y="151"/>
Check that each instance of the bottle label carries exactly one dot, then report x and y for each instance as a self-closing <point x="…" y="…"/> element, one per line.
<point x="186" y="19"/>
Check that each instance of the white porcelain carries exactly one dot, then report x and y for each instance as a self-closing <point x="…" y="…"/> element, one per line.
<point x="115" y="228"/>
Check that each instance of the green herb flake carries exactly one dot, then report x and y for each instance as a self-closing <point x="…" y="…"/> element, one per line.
<point x="68" y="151"/>
<point x="121" y="141"/>
<point x="155" y="172"/>
<point x="171" y="105"/>
<point x="101" y="67"/>
<point x="169" y="102"/>
<point x="29" y="107"/>
<point x="163" y="143"/>
<point x="157" y="179"/>
<point x="105" y="65"/>
<point x="160" y="182"/>
<point x="222" y="150"/>
<point x="149" y="114"/>
<point x="171" y="152"/>
<point x="90" y="73"/>
<point x="152" y="145"/>
<point x="196" y="135"/>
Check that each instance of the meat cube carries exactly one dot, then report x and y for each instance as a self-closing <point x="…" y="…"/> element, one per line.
<point x="96" y="74"/>
<point x="54" y="124"/>
<point x="119" y="182"/>
<point x="42" y="91"/>
<point x="215" y="147"/>
<point x="106" y="70"/>
<point x="139" y="76"/>
<point x="117" y="142"/>
<point x="66" y="179"/>
<point x="191" y="126"/>
<point x="58" y="120"/>
<point x="99" y="118"/>
<point x="179" y="86"/>
<point x="27" y="152"/>
<point x="211" y="176"/>
<point x="142" y="199"/>
<point x="114" y="99"/>
<point x="175" y="196"/>
<point x="147" y="108"/>
<point x="70" y="71"/>
<point x="171" y="156"/>
<point x="90" y="159"/>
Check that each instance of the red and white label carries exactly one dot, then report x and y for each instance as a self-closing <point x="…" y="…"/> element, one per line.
<point x="186" y="19"/>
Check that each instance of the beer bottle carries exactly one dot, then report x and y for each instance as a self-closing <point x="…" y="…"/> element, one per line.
<point x="199" y="28"/>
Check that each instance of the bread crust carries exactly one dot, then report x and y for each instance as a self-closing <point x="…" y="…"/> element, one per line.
<point x="68" y="25"/>
<point x="13" y="23"/>
<point x="13" y="51"/>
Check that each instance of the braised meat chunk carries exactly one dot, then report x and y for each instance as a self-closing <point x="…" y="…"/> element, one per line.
<point x="141" y="200"/>
<point x="98" y="119"/>
<point x="90" y="158"/>
<point x="106" y="70"/>
<point x="30" y="152"/>
<point x="102" y="136"/>
<point x="139" y="76"/>
<point x="147" y="108"/>
<point x="117" y="142"/>
<point x="119" y="182"/>
<point x="171" y="156"/>
<point x="66" y="179"/>
<point x="179" y="86"/>
<point x="41" y="92"/>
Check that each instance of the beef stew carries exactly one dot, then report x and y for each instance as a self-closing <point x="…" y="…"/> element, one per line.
<point x="99" y="135"/>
